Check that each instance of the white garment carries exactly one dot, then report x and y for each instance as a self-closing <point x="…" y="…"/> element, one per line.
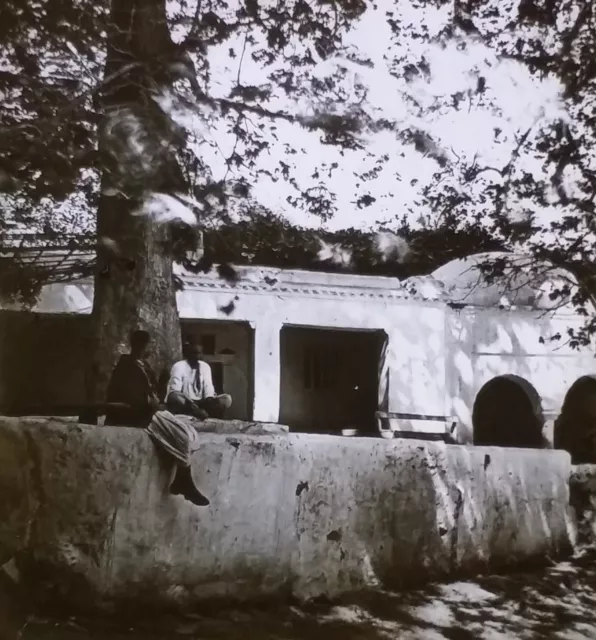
<point x="175" y="435"/>
<point x="195" y="384"/>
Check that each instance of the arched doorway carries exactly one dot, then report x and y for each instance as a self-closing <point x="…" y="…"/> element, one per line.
<point x="508" y="413"/>
<point x="575" y="428"/>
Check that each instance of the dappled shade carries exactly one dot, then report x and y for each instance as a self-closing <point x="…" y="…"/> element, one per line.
<point x="508" y="413"/>
<point x="575" y="428"/>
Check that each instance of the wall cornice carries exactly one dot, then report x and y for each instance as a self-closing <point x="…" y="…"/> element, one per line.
<point x="332" y="293"/>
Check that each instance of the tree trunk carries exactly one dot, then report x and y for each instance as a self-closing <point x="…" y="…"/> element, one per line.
<point x="134" y="284"/>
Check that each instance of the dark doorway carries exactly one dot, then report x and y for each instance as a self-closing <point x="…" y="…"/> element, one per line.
<point x="228" y="347"/>
<point x="508" y="413"/>
<point x="46" y="355"/>
<point x="575" y="428"/>
<point x="329" y="379"/>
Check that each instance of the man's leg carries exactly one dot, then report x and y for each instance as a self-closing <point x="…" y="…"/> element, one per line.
<point x="179" y="404"/>
<point x="175" y="439"/>
<point x="216" y="406"/>
<point x="117" y="416"/>
<point x="184" y="485"/>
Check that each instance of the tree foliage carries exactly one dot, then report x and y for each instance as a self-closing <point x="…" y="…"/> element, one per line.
<point x="537" y="195"/>
<point x="531" y="185"/>
<point x="260" y="238"/>
<point x="55" y="78"/>
<point x="402" y="251"/>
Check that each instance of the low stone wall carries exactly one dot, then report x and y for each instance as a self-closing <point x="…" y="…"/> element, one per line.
<point x="86" y="514"/>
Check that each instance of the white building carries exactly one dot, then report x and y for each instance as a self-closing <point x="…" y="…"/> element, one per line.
<point x="324" y="352"/>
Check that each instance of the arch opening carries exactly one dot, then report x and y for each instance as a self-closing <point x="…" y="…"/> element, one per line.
<point x="575" y="428"/>
<point x="508" y="413"/>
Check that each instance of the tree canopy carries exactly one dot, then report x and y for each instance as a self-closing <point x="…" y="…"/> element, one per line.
<point x="92" y="110"/>
<point x="262" y="239"/>
<point x="268" y="240"/>
<point x="56" y="78"/>
<point x="536" y="194"/>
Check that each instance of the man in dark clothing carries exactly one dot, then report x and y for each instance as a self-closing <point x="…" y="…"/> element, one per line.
<point x="132" y="400"/>
<point x="132" y="393"/>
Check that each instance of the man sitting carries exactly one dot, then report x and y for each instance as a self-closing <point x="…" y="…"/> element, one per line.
<point x="132" y="392"/>
<point x="132" y="401"/>
<point x="190" y="389"/>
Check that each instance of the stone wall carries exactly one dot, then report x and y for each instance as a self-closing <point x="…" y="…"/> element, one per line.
<point x="87" y="515"/>
<point x="582" y="485"/>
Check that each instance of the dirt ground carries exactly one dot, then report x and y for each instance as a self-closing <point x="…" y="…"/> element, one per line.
<point x="558" y="602"/>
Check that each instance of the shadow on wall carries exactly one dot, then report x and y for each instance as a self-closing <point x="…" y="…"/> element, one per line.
<point x="486" y="344"/>
<point x="43" y="358"/>
<point x="508" y="413"/>
<point x="412" y="371"/>
<point x="575" y="428"/>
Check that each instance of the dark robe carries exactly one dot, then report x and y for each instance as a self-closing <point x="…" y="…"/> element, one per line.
<point x="133" y="383"/>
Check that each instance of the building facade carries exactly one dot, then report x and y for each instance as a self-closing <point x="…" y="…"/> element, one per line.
<point x="326" y="352"/>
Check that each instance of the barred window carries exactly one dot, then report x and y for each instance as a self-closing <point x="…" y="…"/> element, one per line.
<point x="320" y="368"/>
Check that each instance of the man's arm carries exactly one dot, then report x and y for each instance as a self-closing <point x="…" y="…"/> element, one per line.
<point x="151" y="376"/>
<point x="207" y="377"/>
<point x="117" y="380"/>
<point x="175" y="383"/>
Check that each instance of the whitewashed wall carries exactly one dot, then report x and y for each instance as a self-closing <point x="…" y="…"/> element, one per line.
<point x="485" y="343"/>
<point x="438" y="358"/>
<point x="270" y="299"/>
<point x="416" y="331"/>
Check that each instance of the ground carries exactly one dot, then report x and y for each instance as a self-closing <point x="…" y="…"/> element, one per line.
<point x="558" y="602"/>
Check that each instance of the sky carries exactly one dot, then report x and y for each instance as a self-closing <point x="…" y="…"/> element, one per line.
<point x="513" y="102"/>
<point x="521" y="100"/>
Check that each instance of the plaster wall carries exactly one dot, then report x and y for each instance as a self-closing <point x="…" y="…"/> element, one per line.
<point x="88" y="518"/>
<point x="485" y="343"/>
<point x="267" y="300"/>
<point x="416" y="338"/>
<point x="437" y="358"/>
<point x="60" y="297"/>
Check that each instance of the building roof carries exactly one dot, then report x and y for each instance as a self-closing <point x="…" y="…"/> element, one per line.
<point x="525" y="282"/>
<point x="460" y="282"/>
<point x="61" y="258"/>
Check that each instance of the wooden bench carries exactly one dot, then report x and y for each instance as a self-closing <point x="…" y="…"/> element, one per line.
<point x="426" y="434"/>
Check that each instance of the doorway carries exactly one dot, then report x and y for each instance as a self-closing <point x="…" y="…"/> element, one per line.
<point x="228" y="348"/>
<point x="508" y="413"/>
<point x="576" y="426"/>
<point x="329" y="379"/>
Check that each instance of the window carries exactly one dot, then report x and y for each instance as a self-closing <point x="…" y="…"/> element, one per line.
<point x="320" y="368"/>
